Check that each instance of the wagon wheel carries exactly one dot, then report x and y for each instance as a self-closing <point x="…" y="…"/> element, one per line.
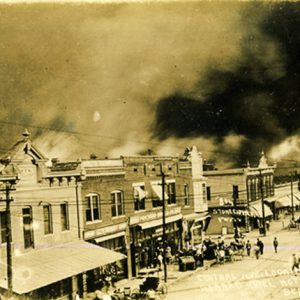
<point x="135" y="294"/>
<point x="162" y="290"/>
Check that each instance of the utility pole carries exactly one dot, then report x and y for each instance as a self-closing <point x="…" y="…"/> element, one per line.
<point x="8" y="188"/>
<point x="235" y="197"/>
<point x="164" y="223"/>
<point x="292" y="197"/>
<point x="262" y="202"/>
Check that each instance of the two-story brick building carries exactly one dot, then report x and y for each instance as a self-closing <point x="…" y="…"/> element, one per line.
<point x="49" y="259"/>
<point x="122" y="205"/>
<point x="235" y="196"/>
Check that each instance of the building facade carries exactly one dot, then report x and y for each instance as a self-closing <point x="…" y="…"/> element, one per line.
<point x="236" y="197"/>
<point x="122" y="205"/>
<point x="49" y="259"/>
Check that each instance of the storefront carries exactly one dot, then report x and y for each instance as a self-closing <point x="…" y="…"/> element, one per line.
<point x="146" y="233"/>
<point x="113" y="238"/>
<point x="194" y="227"/>
<point x="256" y="214"/>
<point x="58" y="271"/>
<point x="225" y="219"/>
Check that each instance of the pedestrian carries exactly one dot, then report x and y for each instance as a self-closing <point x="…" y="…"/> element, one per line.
<point x="160" y="260"/>
<point x="77" y="297"/>
<point x="248" y="247"/>
<point x="275" y="244"/>
<point x="260" y="244"/>
<point x="256" y="251"/>
<point x="168" y="254"/>
<point x="268" y="225"/>
<point x="295" y="263"/>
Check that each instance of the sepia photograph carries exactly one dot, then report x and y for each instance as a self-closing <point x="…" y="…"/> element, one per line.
<point x="149" y="150"/>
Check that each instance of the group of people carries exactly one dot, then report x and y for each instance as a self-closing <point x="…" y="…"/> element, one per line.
<point x="259" y="247"/>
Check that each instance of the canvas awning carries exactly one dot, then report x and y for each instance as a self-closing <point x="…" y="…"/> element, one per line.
<point x="158" y="191"/>
<point x="41" y="267"/>
<point x="256" y="210"/>
<point x="297" y="196"/>
<point x="285" y="201"/>
<point x="140" y="192"/>
<point x="270" y="200"/>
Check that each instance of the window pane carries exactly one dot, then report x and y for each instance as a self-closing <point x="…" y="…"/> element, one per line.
<point x="64" y="216"/>
<point x="47" y="219"/>
<point x="88" y="210"/>
<point x="3" y="226"/>
<point x="113" y="205"/>
<point x="27" y="228"/>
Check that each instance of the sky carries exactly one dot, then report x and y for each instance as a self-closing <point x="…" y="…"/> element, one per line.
<point x="120" y="78"/>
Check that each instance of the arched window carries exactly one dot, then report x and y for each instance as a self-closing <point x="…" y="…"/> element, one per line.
<point x="92" y="210"/>
<point x="117" y="203"/>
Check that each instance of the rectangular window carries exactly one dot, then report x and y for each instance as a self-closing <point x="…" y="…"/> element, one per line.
<point x="27" y="228"/>
<point x="64" y="216"/>
<point x="139" y="196"/>
<point x="208" y="194"/>
<point x="186" y="195"/>
<point x="235" y="192"/>
<point x="117" y="204"/>
<point x="92" y="210"/>
<point x="47" y="219"/>
<point x="3" y="222"/>
<point x="171" y="190"/>
<point x="204" y="192"/>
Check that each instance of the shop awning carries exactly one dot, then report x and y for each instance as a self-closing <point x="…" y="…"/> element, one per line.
<point x="158" y="222"/>
<point x="140" y="192"/>
<point x="158" y="191"/>
<point x="297" y="196"/>
<point x="109" y="237"/>
<point x="41" y="267"/>
<point x="270" y="200"/>
<point x="256" y="210"/>
<point x="284" y="201"/>
<point x="196" y="217"/>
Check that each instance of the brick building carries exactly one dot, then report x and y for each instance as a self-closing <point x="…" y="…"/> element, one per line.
<point x="49" y="258"/>
<point x="235" y="196"/>
<point x="122" y="205"/>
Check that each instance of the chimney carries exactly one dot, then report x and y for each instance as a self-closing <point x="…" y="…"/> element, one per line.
<point x="54" y="160"/>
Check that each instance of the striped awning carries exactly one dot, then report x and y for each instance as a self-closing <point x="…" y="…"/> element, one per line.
<point x="256" y="210"/>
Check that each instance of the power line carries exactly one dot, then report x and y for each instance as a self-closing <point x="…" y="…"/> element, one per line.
<point x="122" y="139"/>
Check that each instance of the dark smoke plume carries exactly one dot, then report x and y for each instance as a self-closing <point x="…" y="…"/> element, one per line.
<point x="259" y="99"/>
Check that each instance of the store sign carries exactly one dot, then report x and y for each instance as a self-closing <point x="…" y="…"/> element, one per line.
<point x="230" y="211"/>
<point x="104" y="231"/>
<point x="153" y="215"/>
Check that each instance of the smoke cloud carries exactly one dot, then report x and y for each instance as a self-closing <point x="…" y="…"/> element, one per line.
<point x="258" y="99"/>
<point x="114" y="79"/>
